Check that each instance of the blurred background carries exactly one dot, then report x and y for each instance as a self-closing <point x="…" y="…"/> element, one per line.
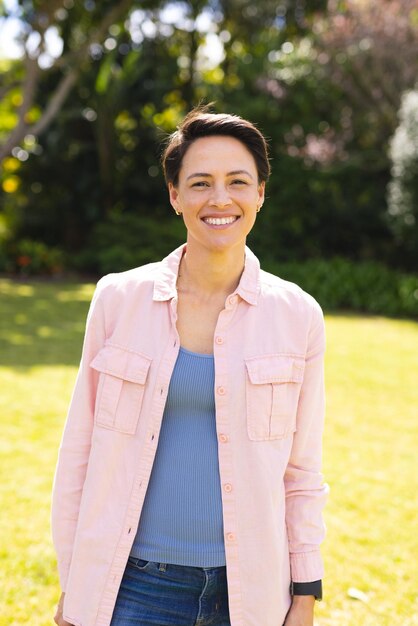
<point x="89" y="91"/>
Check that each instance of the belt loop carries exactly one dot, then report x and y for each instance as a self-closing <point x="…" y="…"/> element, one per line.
<point x="162" y="567"/>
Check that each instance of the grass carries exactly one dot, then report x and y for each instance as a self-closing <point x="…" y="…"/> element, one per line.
<point x="370" y="456"/>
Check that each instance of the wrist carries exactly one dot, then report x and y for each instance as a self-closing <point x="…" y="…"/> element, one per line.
<point x="304" y="601"/>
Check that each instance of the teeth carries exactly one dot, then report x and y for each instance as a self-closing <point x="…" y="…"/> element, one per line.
<point x="218" y="221"/>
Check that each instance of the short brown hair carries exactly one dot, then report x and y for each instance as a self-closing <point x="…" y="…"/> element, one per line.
<point x="199" y="122"/>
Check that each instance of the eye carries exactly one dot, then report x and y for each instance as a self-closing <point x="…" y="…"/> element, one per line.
<point x="238" y="181"/>
<point x="201" y="183"/>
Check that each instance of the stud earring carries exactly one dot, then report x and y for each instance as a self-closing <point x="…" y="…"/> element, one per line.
<point x="177" y="212"/>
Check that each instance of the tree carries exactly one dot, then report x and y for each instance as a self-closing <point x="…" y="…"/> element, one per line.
<point x="369" y="49"/>
<point x="127" y="92"/>
<point x="94" y="179"/>
<point x="82" y="28"/>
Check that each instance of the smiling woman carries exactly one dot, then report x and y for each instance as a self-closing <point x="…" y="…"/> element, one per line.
<point x="219" y="205"/>
<point x="188" y="488"/>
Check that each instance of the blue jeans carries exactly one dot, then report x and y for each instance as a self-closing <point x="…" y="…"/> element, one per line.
<point x="160" y="594"/>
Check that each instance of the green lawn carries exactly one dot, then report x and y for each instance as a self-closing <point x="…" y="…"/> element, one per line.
<point x="369" y="458"/>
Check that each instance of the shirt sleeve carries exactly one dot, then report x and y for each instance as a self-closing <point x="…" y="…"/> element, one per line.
<point x="305" y="491"/>
<point x="75" y="445"/>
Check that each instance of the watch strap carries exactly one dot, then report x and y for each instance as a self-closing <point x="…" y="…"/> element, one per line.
<point x="307" y="589"/>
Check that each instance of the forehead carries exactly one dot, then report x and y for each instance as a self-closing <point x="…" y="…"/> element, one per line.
<point x="218" y="152"/>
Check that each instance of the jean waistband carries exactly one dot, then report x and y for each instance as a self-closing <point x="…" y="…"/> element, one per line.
<point x="163" y="566"/>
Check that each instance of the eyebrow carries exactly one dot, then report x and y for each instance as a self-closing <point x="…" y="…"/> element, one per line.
<point x="206" y="175"/>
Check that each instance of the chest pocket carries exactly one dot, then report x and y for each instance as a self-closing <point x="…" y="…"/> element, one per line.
<point x="273" y="386"/>
<point x="121" y="388"/>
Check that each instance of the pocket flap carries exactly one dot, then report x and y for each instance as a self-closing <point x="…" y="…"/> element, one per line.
<point x="122" y="363"/>
<point x="275" y="368"/>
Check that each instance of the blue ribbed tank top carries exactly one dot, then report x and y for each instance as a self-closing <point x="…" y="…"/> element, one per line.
<point x="181" y="520"/>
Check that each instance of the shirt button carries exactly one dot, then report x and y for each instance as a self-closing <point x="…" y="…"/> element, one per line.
<point x="228" y="487"/>
<point x="230" y="536"/>
<point x="223" y="438"/>
<point x="221" y="391"/>
<point x="219" y="340"/>
<point x="232" y="299"/>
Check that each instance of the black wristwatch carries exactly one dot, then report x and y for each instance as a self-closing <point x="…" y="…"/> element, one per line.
<point x="307" y="589"/>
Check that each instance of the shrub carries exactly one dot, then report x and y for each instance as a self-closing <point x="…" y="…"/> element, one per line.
<point x="127" y="240"/>
<point x="365" y="286"/>
<point x="28" y="258"/>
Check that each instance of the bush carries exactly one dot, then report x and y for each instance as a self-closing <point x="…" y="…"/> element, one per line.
<point x="31" y="258"/>
<point x="367" y="287"/>
<point x="126" y="240"/>
<point x="337" y="283"/>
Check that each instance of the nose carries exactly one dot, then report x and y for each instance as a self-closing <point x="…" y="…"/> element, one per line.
<point x="220" y="197"/>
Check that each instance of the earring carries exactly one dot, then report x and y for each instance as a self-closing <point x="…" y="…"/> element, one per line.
<point x="259" y="207"/>
<point x="177" y="212"/>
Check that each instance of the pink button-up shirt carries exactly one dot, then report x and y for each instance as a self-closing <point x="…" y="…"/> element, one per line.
<point x="269" y="396"/>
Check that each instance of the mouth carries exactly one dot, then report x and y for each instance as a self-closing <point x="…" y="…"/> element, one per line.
<point x="220" y="221"/>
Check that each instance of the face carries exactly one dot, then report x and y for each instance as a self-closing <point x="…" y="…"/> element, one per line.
<point x="218" y="192"/>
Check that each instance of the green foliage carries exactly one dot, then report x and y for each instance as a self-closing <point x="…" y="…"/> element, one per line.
<point x="290" y="68"/>
<point x="28" y="258"/>
<point x="125" y="241"/>
<point x="339" y="284"/>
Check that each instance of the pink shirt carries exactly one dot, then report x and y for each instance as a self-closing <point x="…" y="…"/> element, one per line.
<point x="269" y="395"/>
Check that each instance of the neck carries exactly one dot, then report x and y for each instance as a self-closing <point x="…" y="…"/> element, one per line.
<point x="209" y="273"/>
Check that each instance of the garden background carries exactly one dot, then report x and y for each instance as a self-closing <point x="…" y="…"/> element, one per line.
<point x="88" y="93"/>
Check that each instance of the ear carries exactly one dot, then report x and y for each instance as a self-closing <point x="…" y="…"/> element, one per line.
<point x="261" y="190"/>
<point x="174" y="197"/>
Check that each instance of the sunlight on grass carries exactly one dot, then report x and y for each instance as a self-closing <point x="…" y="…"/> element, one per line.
<point x="370" y="453"/>
<point x="369" y="456"/>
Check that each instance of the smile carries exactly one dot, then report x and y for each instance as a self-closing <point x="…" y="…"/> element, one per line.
<point x="219" y="221"/>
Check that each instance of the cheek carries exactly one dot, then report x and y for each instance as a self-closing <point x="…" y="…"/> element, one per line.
<point x="250" y="199"/>
<point x="193" y="200"/>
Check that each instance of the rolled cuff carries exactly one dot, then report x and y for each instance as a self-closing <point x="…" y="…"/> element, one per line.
<point x="306" y="566"/>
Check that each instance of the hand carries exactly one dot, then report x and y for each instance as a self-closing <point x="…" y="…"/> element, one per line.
<point x="58" y="618"/>
<point x="301" y="612"/>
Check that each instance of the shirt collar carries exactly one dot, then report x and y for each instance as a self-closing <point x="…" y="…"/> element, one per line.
<point x="166" y="277"/>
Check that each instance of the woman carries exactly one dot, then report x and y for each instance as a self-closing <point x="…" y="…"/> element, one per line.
<point x="220" y="365"/>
